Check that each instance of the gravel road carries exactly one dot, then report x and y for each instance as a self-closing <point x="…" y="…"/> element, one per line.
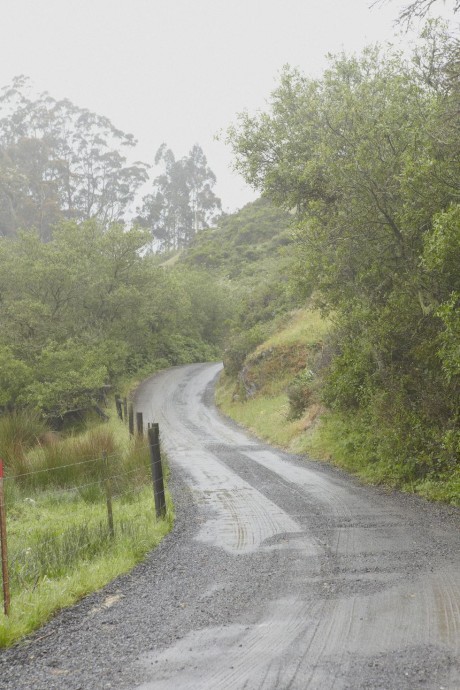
<point x="279" y="574"/>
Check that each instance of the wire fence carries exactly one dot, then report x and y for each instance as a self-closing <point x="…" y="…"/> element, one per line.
<point x="55" y="517"/>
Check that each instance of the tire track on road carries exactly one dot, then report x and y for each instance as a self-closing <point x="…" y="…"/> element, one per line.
<point x="358" y="584"/>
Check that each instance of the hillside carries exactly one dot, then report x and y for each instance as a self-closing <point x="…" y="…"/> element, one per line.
<point x="275" y="394"/>
<point x="242" y="242"/>
<point x="249" y="255"/>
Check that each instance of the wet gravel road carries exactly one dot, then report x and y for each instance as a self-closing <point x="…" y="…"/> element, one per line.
<point x="279" y="574"/>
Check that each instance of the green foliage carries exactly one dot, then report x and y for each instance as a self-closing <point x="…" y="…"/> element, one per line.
<point x="14" y="376"/>
<point x="367" y="156"/>
<point x="68" y="376"/>
<point x="300" y="393"/>
<point x="248" y="252"/>
<point x="88" y="307"/>
<point x="83" y="303"/>
<point x="240" y="243"/>
<point x="273" y="409"/>
<point x="240" y="345"/>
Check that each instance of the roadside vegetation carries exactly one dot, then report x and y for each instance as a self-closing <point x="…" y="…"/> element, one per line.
<point x="59" y="542"/>
<point x="274" y="393"/>
<point x="278" y="396"/>
<point x="333" y="299"/>
<point x="87" y="309"/>
<point x="367" y="156"/>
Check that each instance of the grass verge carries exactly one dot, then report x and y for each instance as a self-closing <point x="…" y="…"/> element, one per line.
<point x="59" y="543"/>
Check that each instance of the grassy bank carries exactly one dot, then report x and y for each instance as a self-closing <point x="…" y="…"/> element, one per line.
<point x="261" y="399"/>
<point x="60" y="546"/>
<point x="268" y="374"/>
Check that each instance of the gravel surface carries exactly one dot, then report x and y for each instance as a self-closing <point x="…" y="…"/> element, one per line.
<point x="279" y="574"/>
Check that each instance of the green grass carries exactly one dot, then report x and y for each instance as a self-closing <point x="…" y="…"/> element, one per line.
<point x="332" y="440"/>
<point x="265" y="416"/>
<point x="272" y="365"/>
<point x="338" y="441"/>
<point x="305" y="327"/>
<point x="37" y="598"/>
<point x="59" y="543"/>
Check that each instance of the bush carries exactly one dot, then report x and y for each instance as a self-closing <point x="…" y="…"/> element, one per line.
<point x="300" y="393"/>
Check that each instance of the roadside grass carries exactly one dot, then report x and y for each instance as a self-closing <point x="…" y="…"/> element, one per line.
<point x="19" y="431"/>
<point x="304" y="327"/>
<point x="265" y="416"/>
<point x="338" y="441"/>
<point x="272" y="366"/>
<point x="59" y="544"/>
<point x="318" y="433"/>
<point x="63" y="565"/>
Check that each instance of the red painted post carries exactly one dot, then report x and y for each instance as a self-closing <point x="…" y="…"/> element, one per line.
<point x="6" y="584"/>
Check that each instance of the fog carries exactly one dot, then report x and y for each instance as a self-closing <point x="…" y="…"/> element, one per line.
<point x="177" y="71"/>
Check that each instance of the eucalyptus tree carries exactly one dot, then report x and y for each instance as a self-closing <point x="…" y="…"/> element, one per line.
<point x="60" y="161"/>
<point x="419" y="8"/>
<point x="182" y="201"/>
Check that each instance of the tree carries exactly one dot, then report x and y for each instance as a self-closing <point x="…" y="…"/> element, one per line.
<point x="368" y="157"/>
<point x="89" y="306"/>
<point x="418" y="9"/>
<point x="71" y="312"/>
<point x="60" y="161"/>
<point x="182" y="201"/>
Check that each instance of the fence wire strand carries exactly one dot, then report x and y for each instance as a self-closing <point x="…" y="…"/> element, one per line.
<point x="99" y="459"/>
<point x="28" y="564"/>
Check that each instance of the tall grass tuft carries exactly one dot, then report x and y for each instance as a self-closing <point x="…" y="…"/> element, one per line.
<point x="60" y="543"/>
<point x="19" y="431"/>
<point x="55" y="462"/>
<point x="136" y="463"/>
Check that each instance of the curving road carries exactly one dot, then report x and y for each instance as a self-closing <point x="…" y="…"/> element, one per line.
<point x="348" y="587"/>
<point x="280" y="574"/>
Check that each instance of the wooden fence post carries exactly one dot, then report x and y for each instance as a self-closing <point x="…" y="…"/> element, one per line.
<point x="157" y="470"/>
<point x="131" y="419"/>
<point x="140" y="423"/>
<point x="119" y="407"/>
<point x="108" y="494"/>
<point x="5" y="579"/>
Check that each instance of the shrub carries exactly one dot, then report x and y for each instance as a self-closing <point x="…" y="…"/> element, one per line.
<point x="300" y="393"/>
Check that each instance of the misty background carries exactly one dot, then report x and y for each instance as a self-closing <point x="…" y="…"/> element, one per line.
<point x="176" y="71"/>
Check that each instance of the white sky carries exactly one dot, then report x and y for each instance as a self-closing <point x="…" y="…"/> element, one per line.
<point x="179" y="70"/>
